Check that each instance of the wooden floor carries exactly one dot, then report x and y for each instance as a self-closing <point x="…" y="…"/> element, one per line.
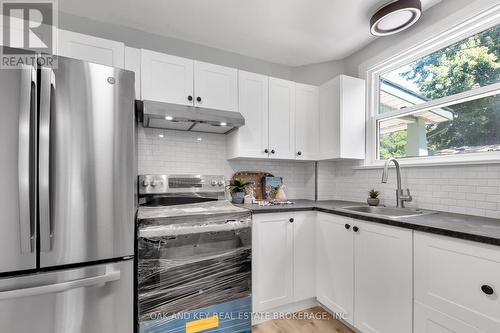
<point x="312" y="325"/>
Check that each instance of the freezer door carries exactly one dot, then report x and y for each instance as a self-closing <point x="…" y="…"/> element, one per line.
<point x="86" y="163"/>
<point x="17" y="172"/>
<point x="95" y="299"/>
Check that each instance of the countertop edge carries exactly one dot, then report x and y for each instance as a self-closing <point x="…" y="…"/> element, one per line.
<point x="381" y="220"/>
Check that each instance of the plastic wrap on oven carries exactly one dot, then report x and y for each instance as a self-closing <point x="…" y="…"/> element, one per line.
<point x="190" y="263"/>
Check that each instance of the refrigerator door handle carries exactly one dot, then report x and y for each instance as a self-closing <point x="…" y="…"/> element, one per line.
<point x="47" y="85"/>
<point x="109" y="276"/>
<point x="26" y="202"/>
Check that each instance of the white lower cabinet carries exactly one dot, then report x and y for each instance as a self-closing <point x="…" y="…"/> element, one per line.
<point x="335" y="264"/>
<point x="364" y="273"/>
<point x="383" y="278"/>
<point x="457" y="285"/>
<point x="283" y="259"/>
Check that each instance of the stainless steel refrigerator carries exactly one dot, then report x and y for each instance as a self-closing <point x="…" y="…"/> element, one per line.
<point x="67" y="181"/>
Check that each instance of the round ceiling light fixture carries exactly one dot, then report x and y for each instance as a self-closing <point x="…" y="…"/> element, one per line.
<point x="395" y="17"/>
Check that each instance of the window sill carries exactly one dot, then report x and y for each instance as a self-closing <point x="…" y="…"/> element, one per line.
<point x="477" y="159"/>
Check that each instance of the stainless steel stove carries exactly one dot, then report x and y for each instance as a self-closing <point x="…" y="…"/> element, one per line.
<point x="194" y="255"/>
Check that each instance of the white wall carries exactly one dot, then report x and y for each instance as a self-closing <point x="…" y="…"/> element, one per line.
<point x="181" y="152"/>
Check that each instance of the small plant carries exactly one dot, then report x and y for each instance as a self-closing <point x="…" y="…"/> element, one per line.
<point x="373" y="193"/>
<point x="238" y="185"/>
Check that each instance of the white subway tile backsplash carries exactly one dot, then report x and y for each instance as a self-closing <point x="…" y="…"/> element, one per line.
<point x="467" y="189"/>
<point x="175" y="152"/>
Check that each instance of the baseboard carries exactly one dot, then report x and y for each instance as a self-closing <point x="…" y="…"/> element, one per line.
<point x="287" y="308"/>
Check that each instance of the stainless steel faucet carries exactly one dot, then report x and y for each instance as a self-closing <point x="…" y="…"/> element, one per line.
<point x="401" y="197"/>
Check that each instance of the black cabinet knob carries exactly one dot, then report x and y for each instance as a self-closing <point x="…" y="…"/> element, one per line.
<point x="355" y="229"/>
<point x="190" y="98"/>
<point x="487" y="289"/>
<point x="266" y="151"/>
<point x="291" y="220"/>
<point x="198" y="99"/>
<point x="272" y="151"/>
<point x="299" y="153"/>
<point x="347" y="226"/>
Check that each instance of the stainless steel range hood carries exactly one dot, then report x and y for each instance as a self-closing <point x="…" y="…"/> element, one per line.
<point x="189" y="118"/>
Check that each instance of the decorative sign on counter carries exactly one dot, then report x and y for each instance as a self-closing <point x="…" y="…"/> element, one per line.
<point x="270" y="186"/>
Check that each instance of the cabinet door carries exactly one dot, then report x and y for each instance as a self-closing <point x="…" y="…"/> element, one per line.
<point x="93" y="49"/>
<point x="428" y="320"/>
<point x="304" y="238"/>
<point x="133" y="63"/>
<point x="281" y="118"/>
<point x="215" y="87"/>
<point x="383" y="278"/>
<point x="335" y="264"/>
<point x="306" y="121"/>
<point x="166" y="78"/>
<point x="272" y="262"/>
<point x="251" y="140"/>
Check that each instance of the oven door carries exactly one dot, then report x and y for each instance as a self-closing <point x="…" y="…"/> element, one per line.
<point x="188" y="268"/>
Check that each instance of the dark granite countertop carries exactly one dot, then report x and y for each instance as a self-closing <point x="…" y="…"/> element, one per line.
<point x="475" y="228"/>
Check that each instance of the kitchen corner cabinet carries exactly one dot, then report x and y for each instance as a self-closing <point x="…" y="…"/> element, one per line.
<point x="283" y="259"/>
<point x="177" y="80"/>
<point x="364" y="271"/>
<point x="306" y="121"/>
<point x="251" y="140"/>
<point x="281" y="119"/>
<point x="342" y="118"/>
<point x="89" y="48"/>
<point x="456" y="283"/>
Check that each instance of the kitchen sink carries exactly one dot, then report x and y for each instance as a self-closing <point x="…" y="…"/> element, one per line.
<point x="387" y="211"/>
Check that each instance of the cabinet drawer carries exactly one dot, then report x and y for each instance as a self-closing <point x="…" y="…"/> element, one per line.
<point x="450" y="276"/>
<point x="428" y="320"/>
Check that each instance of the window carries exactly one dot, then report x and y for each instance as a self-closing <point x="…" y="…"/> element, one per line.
<point x="446" y="102"/>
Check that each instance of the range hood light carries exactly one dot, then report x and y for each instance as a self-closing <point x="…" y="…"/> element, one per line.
<point x="395" y="17"/>
<point x="223" y="124"/>
<point x="169" y="118"/>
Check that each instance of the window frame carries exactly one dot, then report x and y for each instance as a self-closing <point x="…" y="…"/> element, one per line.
<point x="470" y="27"/>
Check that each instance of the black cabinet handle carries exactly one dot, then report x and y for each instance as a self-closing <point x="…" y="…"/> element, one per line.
<point x="198" y="99"/>
<point x="355" y="229"/>
<point x="487" y="289"/>
<point x="291" y="220"/>
<point x="272" y="151"/>
<point x="190" y="98"/>
<point x="299" y="153"/>
<point x="266" y="151"/>
<point x="347" y="226"/>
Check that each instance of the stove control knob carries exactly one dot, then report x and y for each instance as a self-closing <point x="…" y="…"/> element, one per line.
<point x="145" y="183"/>
<point x="154" y="183"/>
<point x="214" y="182"/>
<point x="221" y="183"/>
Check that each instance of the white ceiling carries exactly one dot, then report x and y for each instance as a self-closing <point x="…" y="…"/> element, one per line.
<point x="289" y="32"/>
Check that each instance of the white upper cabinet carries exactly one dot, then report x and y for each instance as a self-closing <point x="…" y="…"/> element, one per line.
<point x="133" y="63"/>
<point x="306" y="121"/>
<point x="281" y="119"/>
<point x="215" y="87"/>
<point x="88" y="48"/>
<point x="251" y="140"/>
<point x="342" y="119"/>
<point x="335" y="264"/>
<point x="383" y="278"/>
<point x="166" y="78"/>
